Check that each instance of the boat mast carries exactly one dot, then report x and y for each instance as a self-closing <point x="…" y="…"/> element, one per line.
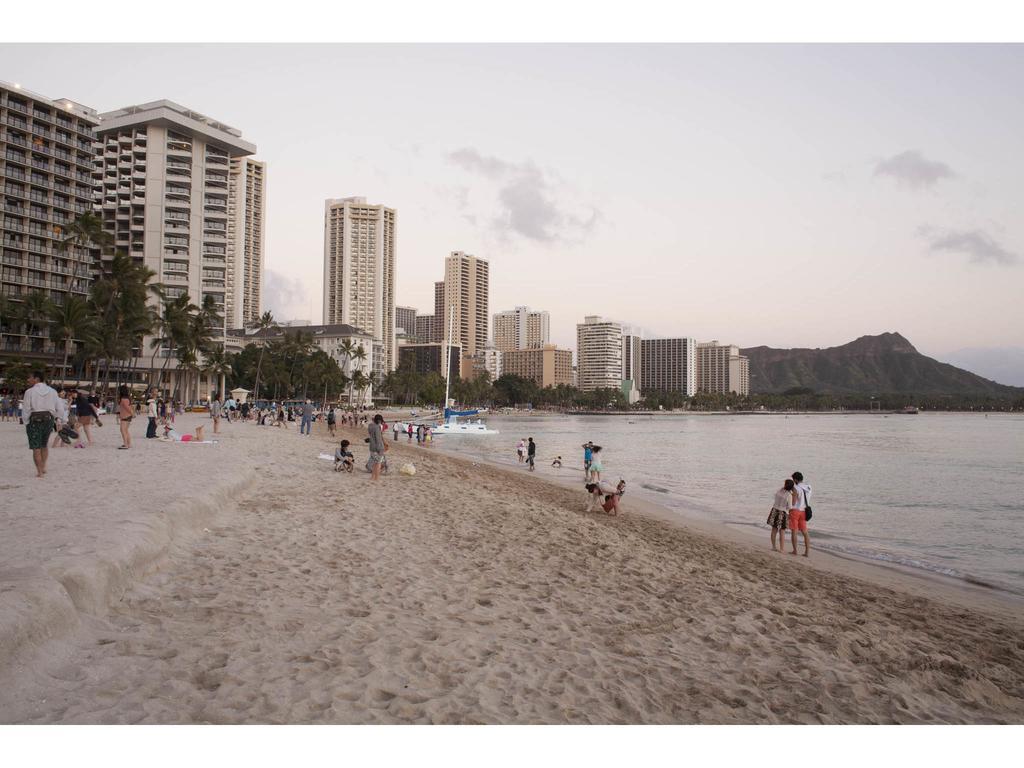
<point x="447" y="358"/>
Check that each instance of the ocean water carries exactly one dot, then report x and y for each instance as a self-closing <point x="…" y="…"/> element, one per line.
<point x="938" y="492"/>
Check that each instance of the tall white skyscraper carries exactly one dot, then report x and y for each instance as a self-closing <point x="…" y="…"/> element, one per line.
<point x="359" y="269"/>
<point x="246" y="216"/>
<point x="521" y="328"/>
<point x="598" y="354"/>
<point x="163" y="179"/>
<point x="467" y="291"/>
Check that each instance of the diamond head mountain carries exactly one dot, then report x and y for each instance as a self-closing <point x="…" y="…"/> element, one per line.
<point x="886" y="363"/>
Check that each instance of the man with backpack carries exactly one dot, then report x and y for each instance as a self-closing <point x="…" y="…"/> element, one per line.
<point x="801" y="513"/>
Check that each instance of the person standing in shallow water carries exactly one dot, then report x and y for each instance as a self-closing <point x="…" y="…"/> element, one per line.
<point x="798" y="514"/>
<point x="531" y="453"/>
<point x="778" y="518"/>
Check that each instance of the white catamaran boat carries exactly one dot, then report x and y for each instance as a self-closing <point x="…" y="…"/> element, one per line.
<point x="451" y="424"/>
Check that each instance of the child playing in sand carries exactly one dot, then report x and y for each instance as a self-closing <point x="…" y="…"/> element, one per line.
<point x="344" y="461"/>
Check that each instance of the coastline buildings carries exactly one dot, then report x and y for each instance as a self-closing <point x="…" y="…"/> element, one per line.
<point x="721" y="369"/>
<point x="521" y="328"/>
<point x="466" y="292"/>
<point x="46" y="159"/>
<point x="329" y="338"/>
<point x="359" y="269"/>
<point x="162" y="173"/>
<point x="668" y="365"/>
<point x="546" y="366"/>
<point x="598" y="354"/>
<point x="429" y="358"/>
<point x="247" y="209"/>
<point x="405" y="321"/>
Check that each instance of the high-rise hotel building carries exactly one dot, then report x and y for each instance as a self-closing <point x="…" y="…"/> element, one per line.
<point x="721" y="369"/>
<point x="359" y="269"/>
<point x="164" y="179"/>
<point x="467" y="292"/>
<point x="46" y="156"/>
<point x="668" y="365"/>
<point x="598" y="354"/>
<point x="521" y="328"/>
<point x="247" y="208"/>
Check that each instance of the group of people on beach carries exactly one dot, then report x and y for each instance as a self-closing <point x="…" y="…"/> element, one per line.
<point x="423" y="433"/>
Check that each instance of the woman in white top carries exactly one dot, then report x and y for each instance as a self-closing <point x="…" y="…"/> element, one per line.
<point x="785" y="499"/>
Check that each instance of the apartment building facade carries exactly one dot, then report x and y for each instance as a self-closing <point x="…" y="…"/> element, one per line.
<point x="668" y="365"/>
<point x="359" y="269"/>
<point x="46" y="158"/>
<point x="405" y="319"/>
<point x="247" y="208"/>
<point x="466" y="303"/>
<point x="598" y="354"/>
<point x="721" y="369"/>
<point x="429" y="358"/>
<point x="546" y="366"/>
<point x="521" y="328"/>
<point x="162" y="175"/>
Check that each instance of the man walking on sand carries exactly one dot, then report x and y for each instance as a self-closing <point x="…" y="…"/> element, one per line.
<point x="39" y="412"/>
<point x="531" y="453"/>
<point x="306" y="427"/>
<point x="377" y="446"/>
<point x="798" y="515"/>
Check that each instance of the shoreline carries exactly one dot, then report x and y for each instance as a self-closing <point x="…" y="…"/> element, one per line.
<point x="473" y="593"/>
<point x="960" y="591"/>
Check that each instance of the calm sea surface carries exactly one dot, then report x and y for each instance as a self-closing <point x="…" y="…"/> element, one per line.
<point x="940" y="492"/>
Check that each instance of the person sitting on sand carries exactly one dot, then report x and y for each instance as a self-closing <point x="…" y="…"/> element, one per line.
<point x="612" y="495"/>
<point x="174" y="436"/>
<point x="557" y="463"/>
<point x="778" y="518"/>
<point x="344" y="460"/>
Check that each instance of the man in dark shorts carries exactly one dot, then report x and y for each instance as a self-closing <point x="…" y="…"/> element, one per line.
<point x="39" y="412"/>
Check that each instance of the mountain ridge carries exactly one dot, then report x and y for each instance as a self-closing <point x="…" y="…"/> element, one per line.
<point x="886" y="363"/>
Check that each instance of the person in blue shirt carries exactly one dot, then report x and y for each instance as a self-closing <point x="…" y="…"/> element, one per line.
<point x="588" y="458"/>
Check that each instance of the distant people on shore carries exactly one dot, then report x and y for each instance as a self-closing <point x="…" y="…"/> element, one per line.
<point x="595" y="463"/>
<point x="521" y="450"/>
<point x="306" y="424"/>
<point x="217" y="412"/>
<point x="332" y="421"/>
<point x="39" y="412"/>
<point x="588" y="458"/>
<point x="151" y="413"/>
<point x="778" y="516"/>
<point x="86" y="412"/>
<point x="799" y="512"/>
<point x="124" y="415"/>
<point x="377" y="445"/>
<point x="605" y="496"/>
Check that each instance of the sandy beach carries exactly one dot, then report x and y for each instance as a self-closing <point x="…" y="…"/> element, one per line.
<point x="246" y="582"/>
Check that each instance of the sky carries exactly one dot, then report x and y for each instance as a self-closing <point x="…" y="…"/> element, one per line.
<point x="793" y="196"/>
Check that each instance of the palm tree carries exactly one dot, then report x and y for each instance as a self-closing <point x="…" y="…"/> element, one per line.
<point x="86" y="232"/>
<point x="359" y="382"/>
<point x="35" y="313"/>
<point x="217" y="365"/>
<point x="70" y="320"/>
<point x="348" y="349"/>
<point x="265" y="323"/>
